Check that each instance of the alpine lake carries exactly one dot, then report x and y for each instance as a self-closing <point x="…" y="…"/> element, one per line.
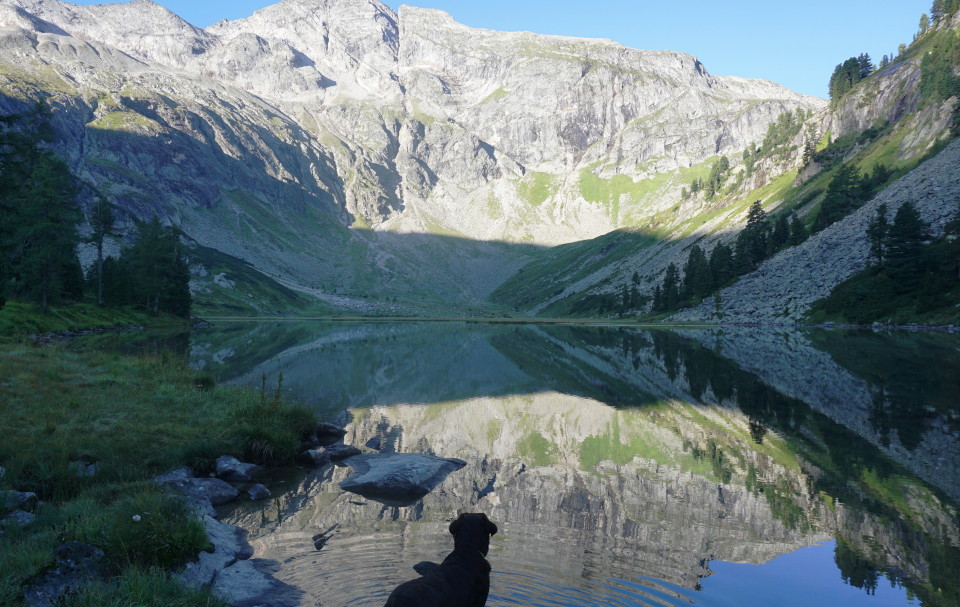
<point x="623" y="465"/>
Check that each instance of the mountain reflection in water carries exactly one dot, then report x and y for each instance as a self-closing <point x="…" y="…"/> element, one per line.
<point x="624" y="466"/>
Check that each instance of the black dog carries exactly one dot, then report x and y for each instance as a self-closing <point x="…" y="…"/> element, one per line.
<point x="462" y="579"/>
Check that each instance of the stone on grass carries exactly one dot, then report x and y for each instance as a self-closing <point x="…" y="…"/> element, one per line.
<point x="18" y="500"/>
<point x="315" y="457"/>
<point x="213" y="489"/>
<point x="233" y="470"/>
<point x="17" y="518"/>
<point x="397" y="479"/>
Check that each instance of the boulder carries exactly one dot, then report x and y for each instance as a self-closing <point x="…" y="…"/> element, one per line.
<point x="82" y="469"/>
<point x="397" y="479"/>
<point x="17" y="518"/>
<point x="315" y="457"/>
<point x="329" y="434"/>
<point x="258" y="492"/>
<point x="339" y="452"/>
<point x="229" y="546"/>
<point x="213" y="489"/>
<point x="18" y="500"/>
<point x="251" y="583"/>
<point x="233" y="470"/>
<point x="78" y="563"/>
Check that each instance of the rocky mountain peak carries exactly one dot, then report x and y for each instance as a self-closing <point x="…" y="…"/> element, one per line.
<point x="142" y="28"/>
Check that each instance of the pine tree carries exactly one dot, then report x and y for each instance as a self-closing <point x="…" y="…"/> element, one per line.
<point x="844" y="194"/>
<point x="877" y="234"/>
<point x="905" y="248"/>
<point x="159" y="275"/>
<point x="101" y="223"/>
<point x="38" y="200"/>
<point x="671" y="288"/>
<point x="798" y="232"/>
<point x="721" y="265"/>
<point x="780" y="235"/>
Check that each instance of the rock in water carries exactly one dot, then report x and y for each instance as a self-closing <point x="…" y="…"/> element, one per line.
<point x="397" y="479"/>
<point x="233" y="470"/>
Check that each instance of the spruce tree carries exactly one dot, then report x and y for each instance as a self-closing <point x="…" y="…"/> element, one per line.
<point x="798" y="232"/>
<point x="844" y="194"/>
<point x="877" y="234"/>
<point x="905" y="248"/>
<point x="101" y="223"/>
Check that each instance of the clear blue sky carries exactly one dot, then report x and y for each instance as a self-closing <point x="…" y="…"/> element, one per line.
<point x="796" y="44"/>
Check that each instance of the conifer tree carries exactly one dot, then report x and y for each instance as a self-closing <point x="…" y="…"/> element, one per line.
<point x="905" y="248"/>
<point x="877" y="234"/>
<point x="844" y="194"/>
<point x="671" y="288"/>
<point x="798" y="232"/>
<point x="721" y="265"/>
<point x="101" y="223"/>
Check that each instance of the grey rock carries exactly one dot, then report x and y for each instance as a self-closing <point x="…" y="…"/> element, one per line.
<point x="17" y="518"/>
<point x="249" y="583"/>
<point x="341" y="452"/>
<point x="329" y="434"/>
<point x="83" y="469"/>
<point x="258" y="492"/>
<point x="231" y="469"/>
<point x="175" y="475"/>
<point x="22" y="500"/>
<point x="217" y="491"/>
<point x="397" y="479"/>
<point x="78" y="563"/>
<point x="315" y="457"/>
<point x="229" y="545"/>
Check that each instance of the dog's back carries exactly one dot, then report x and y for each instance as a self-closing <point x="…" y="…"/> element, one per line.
<point x="462" y="579"/>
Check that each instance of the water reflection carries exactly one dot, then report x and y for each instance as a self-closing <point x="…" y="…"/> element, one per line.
<point x="624" y="466"/>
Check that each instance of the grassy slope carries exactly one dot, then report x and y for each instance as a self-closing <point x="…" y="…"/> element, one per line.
<point x="135" y="417"/>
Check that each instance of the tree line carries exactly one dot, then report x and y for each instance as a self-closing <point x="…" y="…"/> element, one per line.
<point x="703" y="275"/>
<point x="40" y="233"/>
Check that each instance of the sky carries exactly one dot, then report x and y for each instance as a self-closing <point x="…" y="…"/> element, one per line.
<point x="796" y="44"/>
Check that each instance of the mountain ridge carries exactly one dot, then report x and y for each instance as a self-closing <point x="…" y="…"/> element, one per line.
<point x="365" y="154"/>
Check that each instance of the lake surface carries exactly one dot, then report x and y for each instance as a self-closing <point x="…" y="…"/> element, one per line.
<point x="624" y="466"/>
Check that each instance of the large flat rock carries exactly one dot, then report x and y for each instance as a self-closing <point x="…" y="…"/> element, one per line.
<point x="397" y="479"/>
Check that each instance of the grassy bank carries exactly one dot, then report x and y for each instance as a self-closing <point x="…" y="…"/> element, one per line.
<point x="19" y="319"/>
<point x="134" y="417"/>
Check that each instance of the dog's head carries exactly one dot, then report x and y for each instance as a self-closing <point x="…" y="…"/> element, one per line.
<point x="473" y="527"/>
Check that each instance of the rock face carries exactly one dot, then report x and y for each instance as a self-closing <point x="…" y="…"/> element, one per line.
<point x="265" y="137"/>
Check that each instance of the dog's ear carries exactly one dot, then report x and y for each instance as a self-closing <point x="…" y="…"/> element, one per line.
<point x="491" y="527"/>
<point x="455" y="526"/>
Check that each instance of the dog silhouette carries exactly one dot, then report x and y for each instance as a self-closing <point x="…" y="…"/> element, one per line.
<point x="462" y="579"/>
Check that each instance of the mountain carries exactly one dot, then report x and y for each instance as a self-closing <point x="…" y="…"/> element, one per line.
<point x="380" y="162"/>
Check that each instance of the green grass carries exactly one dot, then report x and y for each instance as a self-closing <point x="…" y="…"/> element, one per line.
<point x="20" y="319"/>
<point x="536" y="187"/>
<point x="135" y="417"/>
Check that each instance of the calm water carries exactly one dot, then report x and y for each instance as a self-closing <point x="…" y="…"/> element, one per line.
<point x="624" y="466"/>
